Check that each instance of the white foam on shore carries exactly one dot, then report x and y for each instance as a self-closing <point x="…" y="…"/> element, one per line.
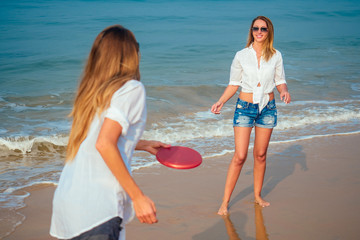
<point x="206" y="125"/>
<point x="25" y="143"/>
<point x="13" y="189"/>
<point x="309" y="137"/>
<point x="320" y="102"/>
<point x="303" y="138"/>
<point x="144" y="165"/>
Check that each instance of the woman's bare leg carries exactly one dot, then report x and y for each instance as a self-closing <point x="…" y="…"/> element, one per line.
<point x="262" y="139"/>
<point x="242" y="138"/>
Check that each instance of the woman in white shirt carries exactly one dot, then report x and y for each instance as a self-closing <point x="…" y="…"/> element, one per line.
<point x="257" y="69"/>
<point x="97" y="195"/>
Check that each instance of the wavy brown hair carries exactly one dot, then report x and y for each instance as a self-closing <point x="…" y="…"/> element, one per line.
<point x="113" y="60"/>
<point x="268" y="49"/>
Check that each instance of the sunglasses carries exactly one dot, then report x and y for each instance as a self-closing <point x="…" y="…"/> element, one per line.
<point x="263" y="29"/>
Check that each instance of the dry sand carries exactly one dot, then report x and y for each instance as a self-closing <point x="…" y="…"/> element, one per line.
<point x="313" y="186"/>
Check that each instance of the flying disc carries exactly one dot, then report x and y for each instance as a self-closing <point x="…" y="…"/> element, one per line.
<point x="179" y="157"/>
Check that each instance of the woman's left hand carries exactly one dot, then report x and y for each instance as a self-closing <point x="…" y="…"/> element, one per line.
<point x="151" y="146"/>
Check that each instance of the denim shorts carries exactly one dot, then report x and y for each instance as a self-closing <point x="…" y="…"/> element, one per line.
<point x="247" y="115"/>
<point x="109" y="230"/>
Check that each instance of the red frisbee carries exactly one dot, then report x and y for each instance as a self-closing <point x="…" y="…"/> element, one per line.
<point x="179" y="157"/>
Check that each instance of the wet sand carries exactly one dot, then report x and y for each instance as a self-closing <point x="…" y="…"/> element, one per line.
<point x="313" y="186"/>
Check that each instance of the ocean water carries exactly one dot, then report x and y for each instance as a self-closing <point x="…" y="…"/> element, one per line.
<point x="186" y="51"/>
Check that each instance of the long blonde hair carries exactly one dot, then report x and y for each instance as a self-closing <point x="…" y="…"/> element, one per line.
<point x="113" y="60"/>
<point x="268" y="49"/>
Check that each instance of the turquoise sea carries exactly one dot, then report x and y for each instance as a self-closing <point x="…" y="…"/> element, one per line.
<point x="186" y="51"/>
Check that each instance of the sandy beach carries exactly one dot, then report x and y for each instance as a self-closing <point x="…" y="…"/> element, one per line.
<point x="313" y="186"/>
<point x="187" y="49"/>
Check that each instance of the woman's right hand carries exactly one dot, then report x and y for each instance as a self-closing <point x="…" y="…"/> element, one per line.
<point x="145" y="209"/>
<point x="217" y="107"/>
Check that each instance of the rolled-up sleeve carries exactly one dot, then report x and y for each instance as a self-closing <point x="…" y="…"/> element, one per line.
<point x="129" y="113"/>
<point x="117" y="115"/>
<point x="235" y="71"/>
<point x="279" y="77"/>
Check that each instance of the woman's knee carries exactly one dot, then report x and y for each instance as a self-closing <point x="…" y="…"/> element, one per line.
<point x="239" y="159"/>
<point x="260" y="157"/>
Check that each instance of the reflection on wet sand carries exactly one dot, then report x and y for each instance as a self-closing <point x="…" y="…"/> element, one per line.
<point x="261" y="233"/>
<point x="230" y="229"/>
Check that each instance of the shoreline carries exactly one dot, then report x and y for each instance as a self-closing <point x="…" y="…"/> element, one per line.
<point x="312" y="185"/>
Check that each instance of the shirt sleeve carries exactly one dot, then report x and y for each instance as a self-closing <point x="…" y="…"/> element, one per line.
<point x="127" y="105"/>
<point x="279" y="77"/>
<point x="235" y="71"/>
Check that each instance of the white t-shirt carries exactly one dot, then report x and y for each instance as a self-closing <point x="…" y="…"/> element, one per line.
<point x="88" y="194"/>
<point x="245" y="72"/>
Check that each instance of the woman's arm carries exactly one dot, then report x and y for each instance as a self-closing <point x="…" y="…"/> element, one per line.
<point x="106" y="144"/>
<point x="150" y="146"/>
<point x="228" y="93"/>
<point x="284" y="94"/>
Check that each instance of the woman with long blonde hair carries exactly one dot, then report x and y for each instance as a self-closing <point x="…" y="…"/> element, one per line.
<point x="97" y="195"/>
<point x="257" y="69"/>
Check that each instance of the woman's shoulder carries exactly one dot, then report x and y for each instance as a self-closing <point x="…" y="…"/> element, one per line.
<point x="278" y="56"/>
<point x="277" y="52"/>
<point x="243" y="52"/>
<point x="131" y="85"/>
<point x="129" y="88"/>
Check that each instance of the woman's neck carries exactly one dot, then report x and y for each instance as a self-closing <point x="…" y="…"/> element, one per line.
<point x="258" y="47"/>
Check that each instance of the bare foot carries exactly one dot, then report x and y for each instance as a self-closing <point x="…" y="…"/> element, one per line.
<point x="223" y="210"/>
<point x="262" y="202"/>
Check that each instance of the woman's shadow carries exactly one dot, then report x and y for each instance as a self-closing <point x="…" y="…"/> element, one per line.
<point x="280" y="166"/>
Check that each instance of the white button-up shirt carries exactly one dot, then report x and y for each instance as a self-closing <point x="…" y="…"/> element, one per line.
<point x="246" y="73"/>
<point x="88" y="193"/>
